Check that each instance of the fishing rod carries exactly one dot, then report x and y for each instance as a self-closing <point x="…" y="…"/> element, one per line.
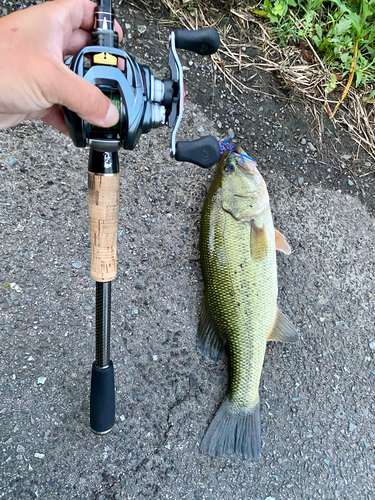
<point x="144" y="102"/>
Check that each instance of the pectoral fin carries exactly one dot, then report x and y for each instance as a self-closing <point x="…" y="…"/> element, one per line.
<point x="258" y="242"/>
<point x="281" y="243"/>
<point x="283" y="330"/>
<point x="210" y="341"/>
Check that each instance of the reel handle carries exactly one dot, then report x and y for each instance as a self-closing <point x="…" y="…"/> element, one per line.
<point x="204" y="152"/>
<point x="205" y="41"/>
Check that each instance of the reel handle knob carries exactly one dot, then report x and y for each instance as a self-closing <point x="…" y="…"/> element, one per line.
<point x="204" y="41"/>
<point x="204" y="152"/>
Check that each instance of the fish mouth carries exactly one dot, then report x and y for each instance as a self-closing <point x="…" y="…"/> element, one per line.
<point x="247" y="166"/>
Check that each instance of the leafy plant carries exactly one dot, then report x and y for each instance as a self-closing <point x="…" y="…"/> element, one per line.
<point x="338" y="29"/>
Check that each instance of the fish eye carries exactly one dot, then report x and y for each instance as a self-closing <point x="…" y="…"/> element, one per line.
<point x="229" y="168"/>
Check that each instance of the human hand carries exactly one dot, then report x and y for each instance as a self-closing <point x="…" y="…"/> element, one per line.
<point x="34" y="81"/>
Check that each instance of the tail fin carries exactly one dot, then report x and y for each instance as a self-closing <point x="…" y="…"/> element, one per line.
<point x="233" y="431"/>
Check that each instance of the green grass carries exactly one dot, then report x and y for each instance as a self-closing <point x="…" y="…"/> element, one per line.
<point x="333" y="27"/>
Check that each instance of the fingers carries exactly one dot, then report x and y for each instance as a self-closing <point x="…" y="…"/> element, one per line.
<point x="81" y="14"/>
<point x="9" y="120"/>
<point x="78" y="39"/>
<point x="81" y="38"/>
<point x="55" y="118"/>
<point x="85" y="99"/>
<point x="81" y="20"/>
<point x="119" y="31"/>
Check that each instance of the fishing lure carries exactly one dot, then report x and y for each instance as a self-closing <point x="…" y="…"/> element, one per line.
<point x="225" y="146"/>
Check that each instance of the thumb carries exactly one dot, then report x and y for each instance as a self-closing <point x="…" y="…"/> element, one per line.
<point x="85" y="99"/>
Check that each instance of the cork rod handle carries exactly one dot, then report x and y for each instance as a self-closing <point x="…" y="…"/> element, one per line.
<point x="104" y="215"/>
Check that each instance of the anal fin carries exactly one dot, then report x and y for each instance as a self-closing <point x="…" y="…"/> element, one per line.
<point x="283" y="330"/>
<point x="209" y="339"/>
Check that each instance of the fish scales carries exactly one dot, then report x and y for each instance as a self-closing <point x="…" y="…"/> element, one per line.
<point x="244" y="303"/>
<point x="238" y="256"/>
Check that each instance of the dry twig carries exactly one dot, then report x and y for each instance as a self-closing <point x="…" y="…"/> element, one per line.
<point x="308" y="80"/>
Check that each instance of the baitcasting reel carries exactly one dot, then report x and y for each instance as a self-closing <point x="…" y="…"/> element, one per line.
<point x="143" y="101"/>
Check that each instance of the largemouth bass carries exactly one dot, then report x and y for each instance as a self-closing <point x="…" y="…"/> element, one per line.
<point x="238" y="246"/>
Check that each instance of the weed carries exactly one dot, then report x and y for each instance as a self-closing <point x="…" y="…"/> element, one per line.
<point x="336" y="28"/>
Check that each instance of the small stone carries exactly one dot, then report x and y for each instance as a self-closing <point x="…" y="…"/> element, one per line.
<point x="350" y="182"/>
<point x="322" y="320"/>
<point x="77" y="265"/>
<point x="324" y="353"/>
<point x="303" y="141"/>
<point x="128" y="26"/>
<point x="142" y="28"/>
<point x="326" y="461"/>
<point x="39" y="455"/>
<point x="122" y="418"/>
<point x="219" y="124"/>
<point x="134" y="311"/>
<point x="367" y="164"/>
<point x="346" y="157"/>
<point x="372" y="344"/>
<point x="270" y="498"/>
<point x="300" y="180"/>
<point x="154" y="357"/>
<point x="12" y="161"/>
<point x="352" y="427"/>
<point x="260" y="109"/>
<point x="311" y="147"/>
<point x="20" y="228"/>
<point x="41" y="380"/>
<point x="20" y="449"/>
<point x="193" y="380"/>
<point x="200" y="129"/>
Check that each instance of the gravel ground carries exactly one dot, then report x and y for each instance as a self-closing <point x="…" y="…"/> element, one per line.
<point x="317" y="397"/>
